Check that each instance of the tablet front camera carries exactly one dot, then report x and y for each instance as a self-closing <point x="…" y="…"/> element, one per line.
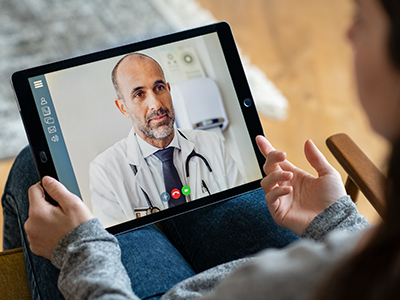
<point x="247" y="102"/>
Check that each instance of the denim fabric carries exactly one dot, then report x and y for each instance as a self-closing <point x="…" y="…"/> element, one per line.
<point x="152" y="262"/>
<point x="42" y="275"/>
<point x="196" y="241"/>
<point x="227" y="231"/>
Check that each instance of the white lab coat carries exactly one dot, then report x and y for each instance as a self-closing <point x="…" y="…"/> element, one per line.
<point x="116" y="190"/>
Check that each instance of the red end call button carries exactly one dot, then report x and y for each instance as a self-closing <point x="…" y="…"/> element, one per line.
<point x="175" y="193"/>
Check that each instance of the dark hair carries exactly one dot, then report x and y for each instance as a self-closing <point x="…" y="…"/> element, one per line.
<point x="392" y="8"/>
<point x="374" y="271"/>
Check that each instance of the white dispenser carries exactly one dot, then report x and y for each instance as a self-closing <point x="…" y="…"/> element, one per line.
<point x="198" y="105"/>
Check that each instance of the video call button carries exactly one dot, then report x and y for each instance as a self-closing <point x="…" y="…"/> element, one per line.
<point x="165" y="197"/>
<point x="186" y="190"/>
<point x="175" y="193"/>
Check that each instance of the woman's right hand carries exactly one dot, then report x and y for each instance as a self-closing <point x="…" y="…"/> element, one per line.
<point x="47" y="224"/>
<point x="295" y="197"/>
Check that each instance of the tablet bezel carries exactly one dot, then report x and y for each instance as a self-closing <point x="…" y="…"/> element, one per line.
<point x="36" y="134"/>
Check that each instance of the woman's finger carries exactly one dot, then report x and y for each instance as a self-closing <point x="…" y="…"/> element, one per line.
<point x="316" y="159"/>
<point x="276" y="193"/>
<point x="273" y="160"/>
<point x="35" y="194"/>
<point x="275" y="178"/>
<point x="274" y="201"/>
<point x="264" y="145"/>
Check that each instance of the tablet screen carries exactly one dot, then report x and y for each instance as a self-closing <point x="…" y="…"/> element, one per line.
<point x="148" y="130"/>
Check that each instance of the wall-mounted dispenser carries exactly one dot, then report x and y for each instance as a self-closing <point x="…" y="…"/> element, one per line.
<point x="198" y="104"/>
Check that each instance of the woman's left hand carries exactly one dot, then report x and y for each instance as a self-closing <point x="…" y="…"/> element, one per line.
<point x="47" y="224"/>
<point x="294" y="197"/>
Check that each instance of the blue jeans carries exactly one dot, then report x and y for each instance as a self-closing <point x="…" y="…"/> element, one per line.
<point x="155" y="261"/>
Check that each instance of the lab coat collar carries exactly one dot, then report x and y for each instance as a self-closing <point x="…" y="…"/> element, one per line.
<point x="147" y="149"/>
<point x="136" y="152"/>
<point x="133" y="153"/>
<point x="138" y="163"/>
<point x="187" y="146"/>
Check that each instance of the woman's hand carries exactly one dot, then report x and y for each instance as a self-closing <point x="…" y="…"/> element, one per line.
<point x="47" y="224"/>
<point x="293" y="196"/>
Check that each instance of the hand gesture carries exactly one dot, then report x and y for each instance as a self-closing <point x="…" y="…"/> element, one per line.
<point x="47" y="224"/>
<point x="294" y="197"/>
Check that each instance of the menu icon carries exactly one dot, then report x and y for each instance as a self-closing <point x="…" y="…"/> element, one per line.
<point x="38" y="84"/>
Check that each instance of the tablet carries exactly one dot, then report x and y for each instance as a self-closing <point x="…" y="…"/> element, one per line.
<point x="146" y="131"/>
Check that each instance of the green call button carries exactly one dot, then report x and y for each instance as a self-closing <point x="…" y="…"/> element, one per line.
<point x="186" y="190"/>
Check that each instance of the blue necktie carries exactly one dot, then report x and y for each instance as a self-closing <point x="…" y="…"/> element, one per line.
<point x="171" y="176"/>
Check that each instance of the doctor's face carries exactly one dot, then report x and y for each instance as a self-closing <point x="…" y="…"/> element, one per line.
<point x="146" y="98"/>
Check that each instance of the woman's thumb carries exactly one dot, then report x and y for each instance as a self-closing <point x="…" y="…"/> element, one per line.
<point x="57" y="191"/>
<point x="316" y="159"/>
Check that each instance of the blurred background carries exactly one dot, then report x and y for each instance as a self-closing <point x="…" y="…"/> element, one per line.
<point x="296" y="57"/>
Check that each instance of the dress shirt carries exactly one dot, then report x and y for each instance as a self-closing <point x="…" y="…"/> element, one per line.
<point x="155" y="165"/>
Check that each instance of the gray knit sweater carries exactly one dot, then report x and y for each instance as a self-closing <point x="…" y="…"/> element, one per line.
<point x="90" y="266"/>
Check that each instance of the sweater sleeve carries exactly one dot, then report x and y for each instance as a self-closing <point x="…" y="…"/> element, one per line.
<point x="275" y="274"/>
<point x="341" y="215"/>
<point x="278" y="274"/>
<point x="90" y="265"/>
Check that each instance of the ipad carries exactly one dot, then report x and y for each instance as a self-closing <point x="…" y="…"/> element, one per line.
<point x="146" y="131"/>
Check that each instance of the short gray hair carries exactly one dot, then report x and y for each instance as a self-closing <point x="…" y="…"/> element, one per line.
<point x="114" y="71"/>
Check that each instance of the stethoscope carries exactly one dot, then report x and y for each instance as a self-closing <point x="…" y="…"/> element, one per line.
<point x="153" y="209"/>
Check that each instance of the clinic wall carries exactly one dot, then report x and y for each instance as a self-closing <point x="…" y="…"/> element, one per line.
<point x="89" y="119"/>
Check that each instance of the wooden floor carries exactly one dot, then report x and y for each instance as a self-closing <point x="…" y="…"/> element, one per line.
<point x="301" y="46"/>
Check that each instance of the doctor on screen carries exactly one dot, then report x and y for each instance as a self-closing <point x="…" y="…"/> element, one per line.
<point x="157" y="166"/>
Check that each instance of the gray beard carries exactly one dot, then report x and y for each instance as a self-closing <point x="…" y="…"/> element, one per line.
<point x="160" y="131"/>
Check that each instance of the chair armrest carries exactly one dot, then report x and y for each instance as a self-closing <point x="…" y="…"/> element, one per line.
<point x="13" y="279"/>
<point x="360" y="169"/>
